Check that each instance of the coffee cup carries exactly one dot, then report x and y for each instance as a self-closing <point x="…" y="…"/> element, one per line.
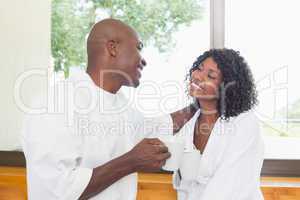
<point x="189" y="165"/>
<point x="176" y="149"/>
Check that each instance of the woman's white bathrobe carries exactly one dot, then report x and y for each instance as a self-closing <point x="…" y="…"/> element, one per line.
<point x="230" y="164"/>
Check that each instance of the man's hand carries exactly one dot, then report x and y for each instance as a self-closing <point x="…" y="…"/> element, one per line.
<point x="149" y="155"/>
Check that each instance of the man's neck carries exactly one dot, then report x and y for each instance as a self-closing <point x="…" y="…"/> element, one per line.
<point x="104" y="81"/>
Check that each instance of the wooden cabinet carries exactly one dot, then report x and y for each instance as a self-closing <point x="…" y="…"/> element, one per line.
<point x="290" y="189"/>
<point x="155" y="187"/>
<point x="281" y="193"/>
<point x="12" y="183"/>
<point x="150" y="186"/>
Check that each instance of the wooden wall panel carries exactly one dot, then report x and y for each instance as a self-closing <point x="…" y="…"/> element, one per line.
<point x="150" y="186"/>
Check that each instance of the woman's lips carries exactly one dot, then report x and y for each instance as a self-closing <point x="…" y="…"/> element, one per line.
<point x="195" y="85"/>
<point x="198" y="87"/>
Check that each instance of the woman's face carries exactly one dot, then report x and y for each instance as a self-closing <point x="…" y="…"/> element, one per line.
<point x="205" y="80"/>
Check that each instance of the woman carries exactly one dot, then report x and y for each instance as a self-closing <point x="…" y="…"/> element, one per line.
<point x="224" y="131"/>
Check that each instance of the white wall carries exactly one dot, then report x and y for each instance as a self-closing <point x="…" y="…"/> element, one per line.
<point x="24" y="45"/>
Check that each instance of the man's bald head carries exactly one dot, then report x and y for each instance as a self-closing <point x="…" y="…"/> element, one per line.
<point x="103" y="32"/>
<point x="108" y="29"/>
<point x="114" y="50"/>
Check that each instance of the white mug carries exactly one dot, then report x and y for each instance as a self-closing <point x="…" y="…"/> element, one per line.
<point x="189" y="165"/>
<point x="176" y="149"/>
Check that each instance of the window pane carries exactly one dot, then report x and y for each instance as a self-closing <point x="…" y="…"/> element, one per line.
<point x="163" y="85"/>
<point x="267" y="35"/>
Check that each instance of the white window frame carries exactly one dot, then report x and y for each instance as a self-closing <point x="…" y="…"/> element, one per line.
<point x="217" y="23"/>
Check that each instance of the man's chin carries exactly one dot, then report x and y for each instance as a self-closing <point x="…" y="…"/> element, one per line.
<point x="134" y="84"/>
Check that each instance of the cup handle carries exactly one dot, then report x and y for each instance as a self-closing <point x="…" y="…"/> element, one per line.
<point x="179" y="174"/>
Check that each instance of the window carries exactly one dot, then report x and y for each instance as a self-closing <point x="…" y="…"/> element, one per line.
<point x="265" y="32"/>
<point x="163" y="85"/>
<point x="267" y="35"/>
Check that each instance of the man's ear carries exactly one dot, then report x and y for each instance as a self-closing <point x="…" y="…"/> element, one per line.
<point x="112" y="48"/>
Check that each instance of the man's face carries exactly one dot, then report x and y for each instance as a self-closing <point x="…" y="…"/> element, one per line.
<point x="130" y="61"/>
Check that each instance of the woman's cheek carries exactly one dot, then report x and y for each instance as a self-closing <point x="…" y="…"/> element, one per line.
<point x="211" y="90"/>
<point x="214" y="91"/>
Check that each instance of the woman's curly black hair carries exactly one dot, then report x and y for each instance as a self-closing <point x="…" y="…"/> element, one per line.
<point x="237" y="93"/>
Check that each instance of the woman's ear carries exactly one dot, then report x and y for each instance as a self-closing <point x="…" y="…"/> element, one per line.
<point x="112" y="48"/>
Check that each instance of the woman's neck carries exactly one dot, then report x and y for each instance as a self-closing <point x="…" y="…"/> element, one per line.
<point x="209" y="118"/>
<point x="209" y="110"/>
<point x="204" y="125"/>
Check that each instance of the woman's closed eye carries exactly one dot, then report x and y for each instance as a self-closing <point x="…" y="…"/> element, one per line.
<point x="211" y="76"/>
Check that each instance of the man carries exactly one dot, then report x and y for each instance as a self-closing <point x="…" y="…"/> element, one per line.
<point x="64" y="162"/>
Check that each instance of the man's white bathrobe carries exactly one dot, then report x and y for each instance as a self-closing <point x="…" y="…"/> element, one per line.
<point x="230" y="164"/>
<point x="91" y="128"/>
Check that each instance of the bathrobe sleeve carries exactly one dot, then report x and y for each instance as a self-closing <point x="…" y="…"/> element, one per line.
<point x="53" y="155"/>
<point x="237" y="176"/>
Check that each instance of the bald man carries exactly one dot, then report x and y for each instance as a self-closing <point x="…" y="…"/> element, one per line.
<point x="75" y="161"/>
